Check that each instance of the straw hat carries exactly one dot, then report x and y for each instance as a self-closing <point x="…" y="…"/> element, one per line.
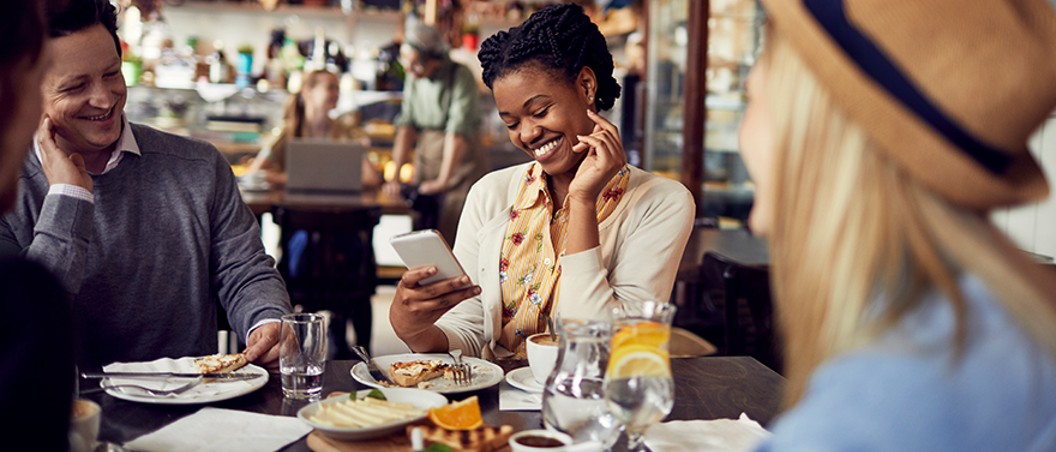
<point x="951" y="90"/>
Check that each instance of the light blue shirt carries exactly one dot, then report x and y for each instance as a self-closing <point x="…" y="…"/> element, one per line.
<point x="906" y="392"/>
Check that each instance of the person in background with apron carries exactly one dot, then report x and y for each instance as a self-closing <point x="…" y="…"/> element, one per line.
<point x="439" y="119"/>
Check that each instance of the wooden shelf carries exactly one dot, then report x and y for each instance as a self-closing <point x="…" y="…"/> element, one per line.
<point x="326" y="12"/>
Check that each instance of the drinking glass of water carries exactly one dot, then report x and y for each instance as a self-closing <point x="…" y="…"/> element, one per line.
<point x="302" y="355"/>
<point x="639" y="390"/>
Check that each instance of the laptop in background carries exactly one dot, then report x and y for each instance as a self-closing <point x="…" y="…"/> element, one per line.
<point x="321" y="166"/>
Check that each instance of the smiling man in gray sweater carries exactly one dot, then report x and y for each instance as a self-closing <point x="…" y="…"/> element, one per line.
<point x="146" y="230"/>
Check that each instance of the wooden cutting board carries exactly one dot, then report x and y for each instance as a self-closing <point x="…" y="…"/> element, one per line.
<point x="392" y="443"/>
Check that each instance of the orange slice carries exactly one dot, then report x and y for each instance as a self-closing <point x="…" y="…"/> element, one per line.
<point x="464" y="415"/>
<point x="635" y="360"/>
<point x="653" y="334"/>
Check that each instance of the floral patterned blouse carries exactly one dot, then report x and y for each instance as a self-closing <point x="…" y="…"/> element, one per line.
<point x="530" y="264"/>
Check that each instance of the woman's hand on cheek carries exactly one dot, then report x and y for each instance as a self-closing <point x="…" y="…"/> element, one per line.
<point x="605" y="156"/>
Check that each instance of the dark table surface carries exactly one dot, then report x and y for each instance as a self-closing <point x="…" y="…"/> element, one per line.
<point x="264" y="201"/>
<point x="705" y="388"/>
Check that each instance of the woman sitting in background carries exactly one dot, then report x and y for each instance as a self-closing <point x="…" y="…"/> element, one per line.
<point x="880" y="135"/>
<point x="571" y="234"/>
<point x="307" y="115"/>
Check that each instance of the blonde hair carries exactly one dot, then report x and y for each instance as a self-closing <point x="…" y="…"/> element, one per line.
<point x="857" y="243"/>
<point x="293" y="111"/>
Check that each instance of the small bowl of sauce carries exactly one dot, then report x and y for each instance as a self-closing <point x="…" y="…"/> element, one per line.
<point x="539" y="441"/>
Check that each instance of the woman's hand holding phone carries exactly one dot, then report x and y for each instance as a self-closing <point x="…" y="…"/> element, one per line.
<point x="416" y="308"/>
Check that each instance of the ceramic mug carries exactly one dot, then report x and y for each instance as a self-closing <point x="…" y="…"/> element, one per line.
<point x="84" y="425"/>
<point x="542" y="355"/>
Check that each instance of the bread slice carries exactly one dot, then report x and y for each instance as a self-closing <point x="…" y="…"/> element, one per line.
<point x="220" y="363"/>
<point x="410" y="373"/>
<point x="481" y="439"/>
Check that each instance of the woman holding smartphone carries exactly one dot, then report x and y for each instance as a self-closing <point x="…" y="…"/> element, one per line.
<point x="570" y="234"/>
<point x="910" y="322"/>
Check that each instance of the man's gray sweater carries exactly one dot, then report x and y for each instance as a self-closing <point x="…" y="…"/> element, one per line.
<point x="167" y="238"/>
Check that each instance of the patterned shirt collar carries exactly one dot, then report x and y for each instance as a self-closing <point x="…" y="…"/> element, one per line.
<point x="538" y="190"/>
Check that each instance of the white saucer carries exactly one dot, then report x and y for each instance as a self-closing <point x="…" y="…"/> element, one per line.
<point x="522" y="379"/>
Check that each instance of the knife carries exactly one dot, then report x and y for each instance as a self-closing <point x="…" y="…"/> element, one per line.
<point x="372" y="368"/>
<point x="155" y="375"/>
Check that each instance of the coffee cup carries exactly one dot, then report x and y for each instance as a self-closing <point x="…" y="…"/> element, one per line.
<point x="84" y="425"/>
<point x="539" y="441"/>
<point x="542" y="356"/>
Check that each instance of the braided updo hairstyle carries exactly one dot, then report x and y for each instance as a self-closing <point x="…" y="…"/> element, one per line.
<point x="559" y="37"/>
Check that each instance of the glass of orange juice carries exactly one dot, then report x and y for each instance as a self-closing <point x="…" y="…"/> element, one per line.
<point x="639" y="390"/>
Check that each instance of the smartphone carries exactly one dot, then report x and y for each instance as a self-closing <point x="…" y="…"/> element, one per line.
<point x="427" y="247"/>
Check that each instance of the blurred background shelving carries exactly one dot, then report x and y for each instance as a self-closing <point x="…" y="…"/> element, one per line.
<point x="732" y="40"/>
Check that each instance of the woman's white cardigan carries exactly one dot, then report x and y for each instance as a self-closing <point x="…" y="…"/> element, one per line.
<point x="641" y="245"/>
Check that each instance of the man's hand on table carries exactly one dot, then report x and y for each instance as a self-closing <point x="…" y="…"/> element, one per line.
<point x="263" y="347"/>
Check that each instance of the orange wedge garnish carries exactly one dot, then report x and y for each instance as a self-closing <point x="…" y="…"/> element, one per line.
<point x="463" y="415"/>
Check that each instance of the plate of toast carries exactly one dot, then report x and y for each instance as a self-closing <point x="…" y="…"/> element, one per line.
<point x="210" y="390"/>
<point x="428" y="371"/>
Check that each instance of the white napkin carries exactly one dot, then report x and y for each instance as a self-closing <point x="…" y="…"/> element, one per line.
<point x="513" y="399"/>
<point x="210" y="389"/>
<point x="216" y="429"/>
<point x="716" y="435"/>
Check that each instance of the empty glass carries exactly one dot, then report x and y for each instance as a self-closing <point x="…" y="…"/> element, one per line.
<point x="302" y="355"/>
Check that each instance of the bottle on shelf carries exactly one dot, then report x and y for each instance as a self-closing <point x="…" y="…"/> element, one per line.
<point x="317" y="61"/>
<point x="292" y="60"/>
<point x="274" y="70"/>
<point x="219" y="68"/>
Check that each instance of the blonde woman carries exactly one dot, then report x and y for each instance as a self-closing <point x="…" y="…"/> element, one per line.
<point x="880" y="134"/>
<point x="307" y="115"/>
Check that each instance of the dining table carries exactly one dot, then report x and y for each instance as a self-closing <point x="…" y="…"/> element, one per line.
<point x="262" y="201"/>
<point x="705" y="388"/>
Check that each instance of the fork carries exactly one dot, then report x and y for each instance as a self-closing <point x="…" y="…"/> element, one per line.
<point x="152" y="391"/>
<point x="461" y="371"/>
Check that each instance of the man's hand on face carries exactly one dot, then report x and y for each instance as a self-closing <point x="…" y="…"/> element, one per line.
<point x="60" y="167"/>
<point x="263" y="347"/>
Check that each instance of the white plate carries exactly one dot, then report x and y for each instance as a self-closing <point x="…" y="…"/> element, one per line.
<point x="485" y="374"/>
<point x="417" y="397"/>
<point x="523" y="379"/>
<point x="213" y="391"/>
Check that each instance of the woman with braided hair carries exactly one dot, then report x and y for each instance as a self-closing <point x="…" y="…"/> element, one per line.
<point x="571" y="234"/>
